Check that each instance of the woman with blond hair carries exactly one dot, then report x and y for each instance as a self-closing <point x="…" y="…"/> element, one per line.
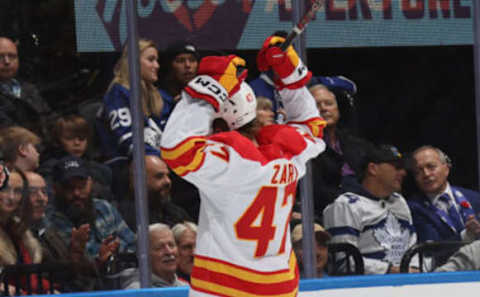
<point x="115" y="126"/>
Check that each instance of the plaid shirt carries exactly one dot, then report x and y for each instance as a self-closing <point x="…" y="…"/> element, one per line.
<point x="108" y="221"/>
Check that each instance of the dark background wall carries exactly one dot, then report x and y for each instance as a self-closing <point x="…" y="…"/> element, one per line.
<point x="414" y="96"/>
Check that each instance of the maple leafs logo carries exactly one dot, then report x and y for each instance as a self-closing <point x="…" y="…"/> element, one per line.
<point x="351" y="198"/>
<point x="393" y="238"/>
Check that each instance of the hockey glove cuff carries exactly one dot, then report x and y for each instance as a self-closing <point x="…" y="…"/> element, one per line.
<point x="289" y="68"/>
<point x="217" y="79"/>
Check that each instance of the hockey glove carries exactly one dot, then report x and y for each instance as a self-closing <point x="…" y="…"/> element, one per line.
<point x="287" y="65"/>
<point x="217" y="79"/>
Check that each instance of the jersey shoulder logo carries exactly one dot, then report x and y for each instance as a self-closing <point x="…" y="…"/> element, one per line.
<point x="351" y="197"/>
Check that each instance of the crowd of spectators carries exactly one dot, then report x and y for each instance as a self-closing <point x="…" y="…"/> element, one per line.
<point x="61" y="205"/>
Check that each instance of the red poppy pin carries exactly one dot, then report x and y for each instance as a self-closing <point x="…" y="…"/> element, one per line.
<point x="465" y="204"/>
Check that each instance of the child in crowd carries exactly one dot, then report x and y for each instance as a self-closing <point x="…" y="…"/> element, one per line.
<point x="70" y="136"/>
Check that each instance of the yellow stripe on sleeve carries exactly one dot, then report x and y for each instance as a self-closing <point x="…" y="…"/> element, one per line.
<point x="192" y="166"/>
<point x="182" y="149"/>
<point x="316" y="126"/>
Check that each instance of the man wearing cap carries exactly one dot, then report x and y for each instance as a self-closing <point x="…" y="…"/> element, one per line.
<point x="374" y="217"/>
<point x="321" y="249"/>
<point x="54" y="248"/>
<point x="75" y="207"/>
<point x="181" y="62"/>
<point x="441" y="211"/>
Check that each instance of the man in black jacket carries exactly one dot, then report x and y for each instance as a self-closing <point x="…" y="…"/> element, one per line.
<point x="20" y="102"/>
<point x="335" y="170"/>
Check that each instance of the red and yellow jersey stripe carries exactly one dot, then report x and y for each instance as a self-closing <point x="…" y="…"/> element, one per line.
<point x="315" y="125"/>
<point x="221" y="278"/>
<point x="187" y="156"/>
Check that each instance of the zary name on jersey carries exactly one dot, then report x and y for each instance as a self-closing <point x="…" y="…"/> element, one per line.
<point x="284" y="174"/>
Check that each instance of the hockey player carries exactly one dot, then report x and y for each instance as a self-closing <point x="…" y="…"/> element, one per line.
<point x="247" y="176"/>
<point x="374" y="217"/>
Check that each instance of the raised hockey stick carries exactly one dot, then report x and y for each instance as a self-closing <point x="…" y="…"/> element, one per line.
<point x="298" y="29"/>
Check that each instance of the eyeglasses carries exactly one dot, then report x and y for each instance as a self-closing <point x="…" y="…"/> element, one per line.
<point x="37" y="190"/>
<point x="11" y="57"/>
<point x="17" y="192"/>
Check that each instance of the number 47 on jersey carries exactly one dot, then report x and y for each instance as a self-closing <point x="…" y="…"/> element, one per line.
<point x="264" y="206"/>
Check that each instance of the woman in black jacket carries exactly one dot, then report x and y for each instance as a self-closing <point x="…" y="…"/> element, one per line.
<point x="336" y="168"/>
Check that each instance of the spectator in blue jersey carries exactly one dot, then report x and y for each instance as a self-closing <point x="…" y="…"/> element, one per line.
<point x="440" y="210"/>
<point x="75" y="206"/>
<point x="180" y="61"/>
<point x="115" y="123"/>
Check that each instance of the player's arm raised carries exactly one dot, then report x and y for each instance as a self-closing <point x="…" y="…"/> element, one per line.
<point x="292" y="76"/>
<point x="184" y="140"/>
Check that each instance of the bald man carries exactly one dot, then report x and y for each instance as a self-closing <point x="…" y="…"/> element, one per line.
<point x="161" y="205"/>
<point x="20" y="102"/>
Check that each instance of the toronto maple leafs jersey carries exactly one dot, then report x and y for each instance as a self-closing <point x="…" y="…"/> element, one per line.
<point x="114" y="126"/>
<point x="247" y="193"/>
<point x="381" y="229"/>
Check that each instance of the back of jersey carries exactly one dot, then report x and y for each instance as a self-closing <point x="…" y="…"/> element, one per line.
<point x="243" y="241"/>
<point x="247" y="190"/>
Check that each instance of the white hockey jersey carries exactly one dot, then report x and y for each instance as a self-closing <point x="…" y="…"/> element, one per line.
<point x="381" y="229"/>
<point x="247" y="192"/>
